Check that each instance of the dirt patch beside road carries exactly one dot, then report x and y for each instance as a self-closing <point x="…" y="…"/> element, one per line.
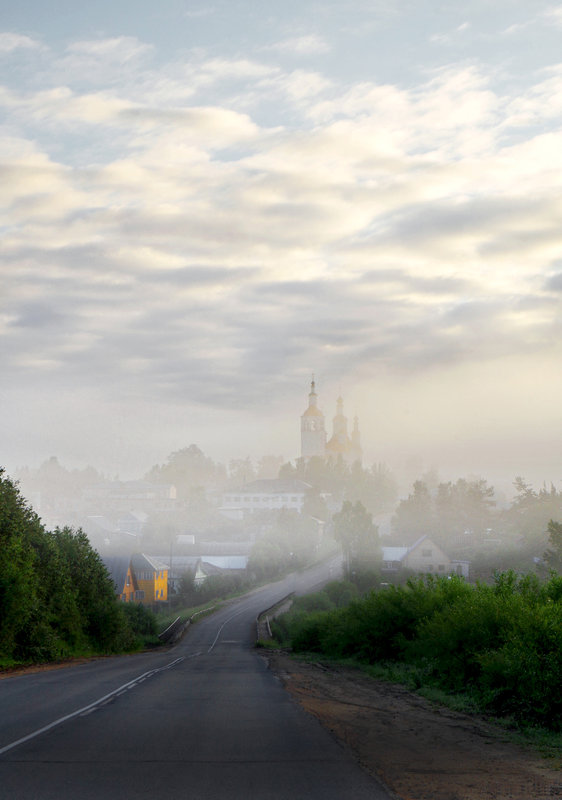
<point x="418" y="750"/>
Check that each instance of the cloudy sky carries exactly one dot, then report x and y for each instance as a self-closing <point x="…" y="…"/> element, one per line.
<point x="203" y="203"/>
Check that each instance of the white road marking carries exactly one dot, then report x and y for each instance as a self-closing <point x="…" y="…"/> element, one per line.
<point x="92" y="706"/>
<point x="222" y="626"/>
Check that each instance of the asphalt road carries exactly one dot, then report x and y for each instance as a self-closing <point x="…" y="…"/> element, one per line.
<point x="205" y="719"/>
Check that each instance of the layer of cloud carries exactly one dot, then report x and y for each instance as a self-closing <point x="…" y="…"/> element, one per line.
<point x="187" y="229"/>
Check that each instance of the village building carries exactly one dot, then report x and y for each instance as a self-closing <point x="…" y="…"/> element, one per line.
<point x="138" y="579"/>
<point x="265" y="494"/>
<point x="422" y="557"/>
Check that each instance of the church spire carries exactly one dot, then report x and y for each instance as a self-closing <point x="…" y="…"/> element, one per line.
<point x="312" y="396"/>
<point x="313" y="432"/>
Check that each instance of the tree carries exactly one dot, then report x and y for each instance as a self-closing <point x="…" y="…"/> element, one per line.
<point x="462" y="507"/>
<point x="358" y="536"/>
<point x="414" y="516"/>
<point x="314" y="505"/>
<point x="186" y="469"/>
<point x="18" y="587"/>
<point x="374" y="487"/>
<point x="241" y="471"/>
<point x="93" y="589"/>
<point x="553" y="556"/>
<point x="55" y="592"/>
<point x="526" y="521"/>
<point x="269" y="466"/>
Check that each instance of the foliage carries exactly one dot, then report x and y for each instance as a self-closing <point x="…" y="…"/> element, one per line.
<point x="187" y="469"/>
<point x="19" y="598"/>
<point x="553" y="556"/>
<point x="142" y="623"/>
<point x="53" y="481"/>
<point x="500" y="644"/>
<point x="414" y="515"/>
<point x="453" y="514"/>
<point x="359" y="538"/>
<point x="375" y="487"/>
<point x="526" y="521"/>
<point x="213" y="587"/>
<point x="56" y="597"/>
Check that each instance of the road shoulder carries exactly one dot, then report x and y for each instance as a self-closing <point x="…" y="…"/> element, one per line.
<point x="418" y="750"/>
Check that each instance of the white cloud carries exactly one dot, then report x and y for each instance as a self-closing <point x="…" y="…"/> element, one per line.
<point x="120" y="49"/>
<point x="309" y="44"/>
<point x="187" y="230"/>
<point x="15" y="41"/>
<point x="553" y="15"/>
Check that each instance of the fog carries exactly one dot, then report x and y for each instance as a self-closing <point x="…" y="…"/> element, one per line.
<point x="274" y="512"/>
<point x="204" y="207"/>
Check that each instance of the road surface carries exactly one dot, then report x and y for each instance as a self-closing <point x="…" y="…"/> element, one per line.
<point x="205" y="719"/>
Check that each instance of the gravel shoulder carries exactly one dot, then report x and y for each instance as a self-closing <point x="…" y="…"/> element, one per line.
<point x="420" y="751"/>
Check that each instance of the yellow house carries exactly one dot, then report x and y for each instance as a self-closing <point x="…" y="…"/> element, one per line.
<point x="121" y="573"/>
<point x="151" y="578"/>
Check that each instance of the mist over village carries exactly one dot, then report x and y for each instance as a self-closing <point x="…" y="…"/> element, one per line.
<point x="264" y="516"/>
<point x="280" y="399"/>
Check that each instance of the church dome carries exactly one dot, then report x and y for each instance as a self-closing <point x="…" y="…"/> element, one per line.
<point x="313" y="411"/>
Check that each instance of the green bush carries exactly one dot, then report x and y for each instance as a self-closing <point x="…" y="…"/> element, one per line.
<point x="522" y="676"/>
<point x="341" y="593"/>
<point x="142" y="624"/>
<point x="319" y="601"/>
<point x="501" y="644"/>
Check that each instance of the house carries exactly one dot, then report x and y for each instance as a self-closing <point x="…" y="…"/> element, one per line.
<point x="151" y="577"/>
<point x="202" y="567"/>
<point x="133" y="523"/>
<point x="139" y="579"/>
<point x="424" y="556"/>
<point x="179" y="566"/>
<point x="120" y="571"/>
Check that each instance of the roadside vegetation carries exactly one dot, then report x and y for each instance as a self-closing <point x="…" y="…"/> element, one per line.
<point x="57" y="600"/>
<point x="495" y="648"/>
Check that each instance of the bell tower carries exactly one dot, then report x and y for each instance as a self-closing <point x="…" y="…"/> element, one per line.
<point x="313" y="431"/>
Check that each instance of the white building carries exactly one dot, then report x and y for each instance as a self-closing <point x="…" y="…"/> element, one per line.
<point x="267" y="494"/>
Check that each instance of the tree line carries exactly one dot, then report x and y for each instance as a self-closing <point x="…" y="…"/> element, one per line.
<point x="56" y="597"/>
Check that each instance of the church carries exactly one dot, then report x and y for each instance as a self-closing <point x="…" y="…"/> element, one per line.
<point x="314" y="441"/>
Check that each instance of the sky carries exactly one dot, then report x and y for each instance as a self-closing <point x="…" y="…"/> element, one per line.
<point x="202" y="204"/>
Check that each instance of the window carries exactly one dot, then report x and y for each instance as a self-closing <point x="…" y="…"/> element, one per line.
<point x="441" y="567"/>
<point x="427" y="553"/>
<point x="128" y="580"/>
